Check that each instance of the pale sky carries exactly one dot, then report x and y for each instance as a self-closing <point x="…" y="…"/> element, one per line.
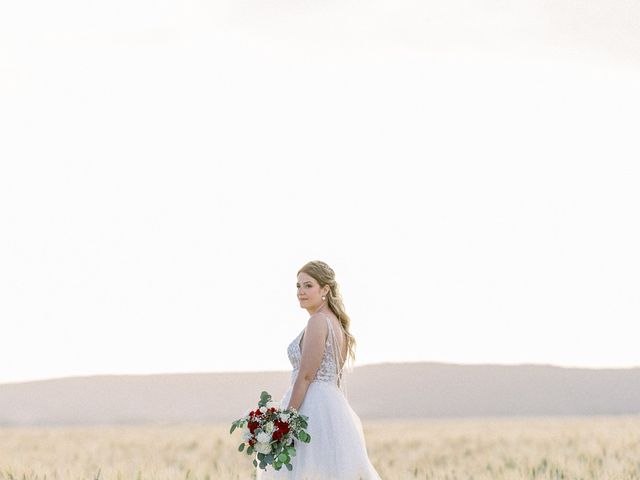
<point x="469" y="170"/>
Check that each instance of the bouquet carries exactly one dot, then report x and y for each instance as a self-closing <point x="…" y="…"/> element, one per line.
<point x="269" y="431"/>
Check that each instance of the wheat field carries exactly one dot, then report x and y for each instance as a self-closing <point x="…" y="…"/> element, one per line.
<point x="580" y="448"/>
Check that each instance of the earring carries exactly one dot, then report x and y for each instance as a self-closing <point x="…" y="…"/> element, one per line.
<point x="323" y="298"/>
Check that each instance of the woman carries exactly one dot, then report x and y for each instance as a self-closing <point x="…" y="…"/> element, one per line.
<point x="337" y="450"/>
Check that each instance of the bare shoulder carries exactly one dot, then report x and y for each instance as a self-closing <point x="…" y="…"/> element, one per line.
<point x="317" y="321"/>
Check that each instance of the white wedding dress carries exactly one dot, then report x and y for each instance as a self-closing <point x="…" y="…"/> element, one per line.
<point x="337" y="450"/>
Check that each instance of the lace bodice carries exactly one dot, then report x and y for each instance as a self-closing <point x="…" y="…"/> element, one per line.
<point x="328" y="370"/>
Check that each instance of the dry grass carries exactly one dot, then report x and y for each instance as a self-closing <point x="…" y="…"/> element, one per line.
<point x="597" y="448"/>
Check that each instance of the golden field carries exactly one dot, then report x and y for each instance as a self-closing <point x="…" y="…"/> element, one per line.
<point x="580" y="448"/>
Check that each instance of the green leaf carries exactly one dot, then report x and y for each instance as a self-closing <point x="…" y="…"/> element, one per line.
<point x="283" y="457"/>
<point x="264" y="398"/>
<point x="241" y="447"/>
<point x="250" y="450"/>
<point x="233" y="427"/>
<point x="260" y="456"/>
<point x="289" y="466"/>
<point x="268" y="458"/>
<point x="255" y="464"/>
<point x="263" y="465"/>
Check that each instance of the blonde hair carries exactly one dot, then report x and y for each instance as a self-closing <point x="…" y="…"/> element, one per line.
<point x="324" y="275"/>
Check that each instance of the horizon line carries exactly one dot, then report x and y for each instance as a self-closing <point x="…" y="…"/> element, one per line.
<point x="373" y="364"/>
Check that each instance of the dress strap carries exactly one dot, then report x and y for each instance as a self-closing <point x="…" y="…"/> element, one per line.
<point x="337" y="355"/>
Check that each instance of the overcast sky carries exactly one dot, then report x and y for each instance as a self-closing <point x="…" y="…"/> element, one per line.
<point x="469" y="170"/>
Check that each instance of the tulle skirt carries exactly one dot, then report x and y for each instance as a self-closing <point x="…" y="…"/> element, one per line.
<point x="337" y="450"/>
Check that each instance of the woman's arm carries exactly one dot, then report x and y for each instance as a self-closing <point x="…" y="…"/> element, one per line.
<point x="313" y="342"/>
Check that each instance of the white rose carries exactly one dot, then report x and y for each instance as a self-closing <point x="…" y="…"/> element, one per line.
<point x="246" y="434"/>
<point x="273" y="404"/>
<point x="284" y="417"/>
<point x="263" y="409"/>
<point x="262" y="447"/>
<point x="268" y="427"/>
<point x="263" y="437"/>
<point x="289" y="440"/>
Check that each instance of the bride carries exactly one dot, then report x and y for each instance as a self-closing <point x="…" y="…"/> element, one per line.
<point x="337" y="450"/>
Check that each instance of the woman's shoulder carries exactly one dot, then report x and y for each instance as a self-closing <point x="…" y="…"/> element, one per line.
<point x="321" y="317"/>
<point x="316" y="320"/>
<point x="321" y="322"/>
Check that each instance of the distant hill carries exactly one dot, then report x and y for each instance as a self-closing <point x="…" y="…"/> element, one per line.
<point x="375" y="391"/>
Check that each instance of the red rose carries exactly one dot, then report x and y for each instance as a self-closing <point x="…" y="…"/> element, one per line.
<point x="282" y="426"/>
<point x="277" y="435"/>
<point x="252" y="426"/>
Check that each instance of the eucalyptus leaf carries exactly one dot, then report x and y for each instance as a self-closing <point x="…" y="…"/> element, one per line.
<point x="264" y="398"/>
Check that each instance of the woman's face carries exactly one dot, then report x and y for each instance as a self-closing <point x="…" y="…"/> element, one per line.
<point x="309" y="291"/>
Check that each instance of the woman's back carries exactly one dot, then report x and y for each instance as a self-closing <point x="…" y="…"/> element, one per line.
<point x="333" y="358"/>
